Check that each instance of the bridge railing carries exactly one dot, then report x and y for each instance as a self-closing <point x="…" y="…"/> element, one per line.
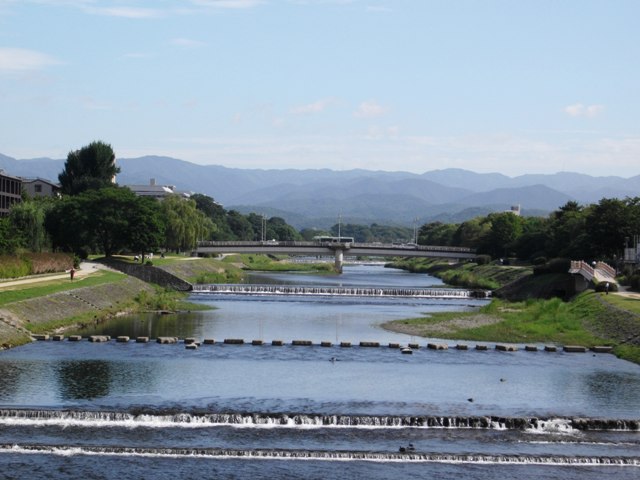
<point x="288" y="243"/>
<point x="606" y="268"/>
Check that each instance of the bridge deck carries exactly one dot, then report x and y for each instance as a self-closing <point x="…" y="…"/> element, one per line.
<point x="327" y="248"/>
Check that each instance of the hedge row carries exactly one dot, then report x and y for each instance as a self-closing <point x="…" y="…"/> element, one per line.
<point x="14" y="266"/>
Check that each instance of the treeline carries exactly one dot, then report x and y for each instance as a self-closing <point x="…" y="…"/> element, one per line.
<point x="94" y="215"/>
<point x="592" y="232"/>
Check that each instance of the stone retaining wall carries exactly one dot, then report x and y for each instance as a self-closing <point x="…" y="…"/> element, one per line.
<point x="150" y="274"/>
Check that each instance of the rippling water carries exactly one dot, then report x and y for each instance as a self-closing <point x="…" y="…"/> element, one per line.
<point x="146" y="410"/>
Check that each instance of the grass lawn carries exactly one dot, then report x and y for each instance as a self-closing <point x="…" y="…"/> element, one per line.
<point x="631" y="304"/>
<point x="533" y="321"/>
<point x="25" y="292"/>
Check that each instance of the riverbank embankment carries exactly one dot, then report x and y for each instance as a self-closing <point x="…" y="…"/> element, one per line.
<point x="52" y="303"/>
<point x="536" y="308"/>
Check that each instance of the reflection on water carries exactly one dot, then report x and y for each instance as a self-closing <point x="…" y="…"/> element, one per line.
<point x="87" y="386"/>
<point x="84" y="380"/>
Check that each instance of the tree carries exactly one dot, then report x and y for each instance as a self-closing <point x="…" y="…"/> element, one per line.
<point x="184" y="223"/>
<point x="27" y="222"/>
<point x="216" y="213"/>
<point x="607" y="224"/>
<point x="280" y="230"/>
<point x="91" y="167"/>
<point x="505" y="229"/>
<point x="471" y="233"/>
<point x="240" y="226"/>
<point x="109" y="220"/>
<point x="436" y="233"/>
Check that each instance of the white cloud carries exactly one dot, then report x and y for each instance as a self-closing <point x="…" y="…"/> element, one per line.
<point x="315" y="107"/>
<point x="580" y="110"/>
<point x="21" y="60"/>
<point x="369" y="109"/>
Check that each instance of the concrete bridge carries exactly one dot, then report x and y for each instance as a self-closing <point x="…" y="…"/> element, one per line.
<point x="336" y="249"/>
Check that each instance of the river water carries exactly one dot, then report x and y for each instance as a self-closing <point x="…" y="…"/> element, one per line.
<point x="145" y="410"/>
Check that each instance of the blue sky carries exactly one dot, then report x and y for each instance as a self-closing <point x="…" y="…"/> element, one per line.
<point x="517" y="86"/>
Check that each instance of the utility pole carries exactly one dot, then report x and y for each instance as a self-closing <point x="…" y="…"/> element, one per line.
<point x="339" y="226"/>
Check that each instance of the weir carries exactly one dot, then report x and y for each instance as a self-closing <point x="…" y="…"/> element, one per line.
<point x="293" y="420"/>
<point x="327" y="455"/>
<point x="240" y="289"/>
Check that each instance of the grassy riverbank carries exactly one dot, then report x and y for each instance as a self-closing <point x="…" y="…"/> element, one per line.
<point x="588" y="320"/>
<point x="471" y="275"/>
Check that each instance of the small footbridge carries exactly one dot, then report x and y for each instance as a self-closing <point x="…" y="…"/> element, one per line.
<point x="598" y="272"/>
<point x="336" y="249"/>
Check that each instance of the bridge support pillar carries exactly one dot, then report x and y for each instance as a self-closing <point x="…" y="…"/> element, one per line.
<point x="339" y="256"/>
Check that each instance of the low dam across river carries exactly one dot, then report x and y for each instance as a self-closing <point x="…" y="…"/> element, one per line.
<point x="239" y="289"/>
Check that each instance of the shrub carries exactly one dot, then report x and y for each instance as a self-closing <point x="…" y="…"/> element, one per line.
<point x="539" y="260"/>
<point x="483" y="259"/>
<point x="49" y="262"/>
<point x="13" y="267"/>
<point x="634" y="281"/>
<point x="602" y="287"/>
<point x="555" y="265"/>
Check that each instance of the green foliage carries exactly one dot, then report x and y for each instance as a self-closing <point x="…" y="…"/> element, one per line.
<point x="91" y="167"/>
<point x="108" y="220"/>
<point x="265" y="263"/>
<point x="555" y="265"/>
<point x="437" y="233"/>
<point x="606" y="287"/>
<point x="373" y="233"/>
<point x="483" y="259"/>
<point x="166" y="300"/>
<point x="184" y="223"/>
<point x="27" y="223"/>
<point x="13" y="267"/>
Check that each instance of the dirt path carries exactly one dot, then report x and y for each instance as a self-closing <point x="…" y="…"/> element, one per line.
<point x="86" y="269"/>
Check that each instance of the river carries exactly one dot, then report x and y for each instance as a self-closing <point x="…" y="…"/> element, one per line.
<point x="145" y="410"/>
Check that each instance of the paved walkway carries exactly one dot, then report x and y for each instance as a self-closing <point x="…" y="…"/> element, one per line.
<point x="86" y="269"/>
<point x="624" y="292"/>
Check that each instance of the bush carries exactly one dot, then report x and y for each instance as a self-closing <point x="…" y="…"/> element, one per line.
<point x="13" y="267"/>
<point x="49" y="262"/>
<point x="634" y="281"/>
<point x="602" y="287"/>
<point x="483" y="259"/>
<point x="539" y="260"/>
<point x="555" y="265"/>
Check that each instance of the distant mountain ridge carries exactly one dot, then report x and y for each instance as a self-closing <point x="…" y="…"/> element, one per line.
<point x="316" y="197"/>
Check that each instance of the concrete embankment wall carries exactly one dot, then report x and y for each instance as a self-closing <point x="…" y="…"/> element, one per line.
<point x="99" y="300"/>
<point x="150" y="274"/>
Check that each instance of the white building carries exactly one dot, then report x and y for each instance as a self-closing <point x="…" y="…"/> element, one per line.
<point x="156" y="191"/>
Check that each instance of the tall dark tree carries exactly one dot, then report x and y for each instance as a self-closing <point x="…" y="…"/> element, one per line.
<point x="91" y="167"/>
<point x="107" y="220"/>
<point x="607" y="224"/>
<point x="240" y="226"/>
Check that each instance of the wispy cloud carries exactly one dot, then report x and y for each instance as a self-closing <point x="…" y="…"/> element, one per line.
<point x="580" y="110"/>
<point x="369" y="109"/>
<point x="378" y="9"/>
<point x="315" y="107"/>
<point x="125" y="12"/>
<point x="227" y="3"/>
<point x="21" y="60"/>
<point x="186" y="43"/>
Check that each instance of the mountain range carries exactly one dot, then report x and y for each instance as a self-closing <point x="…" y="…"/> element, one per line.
<point x="317" y="197"/>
